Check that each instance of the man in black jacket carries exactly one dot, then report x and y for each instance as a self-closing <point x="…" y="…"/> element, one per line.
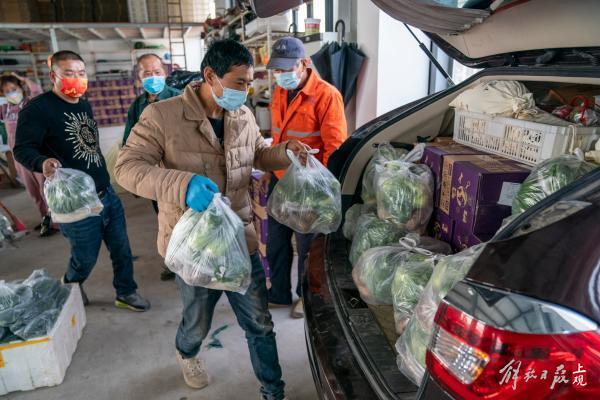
<point x="57" y="129"/>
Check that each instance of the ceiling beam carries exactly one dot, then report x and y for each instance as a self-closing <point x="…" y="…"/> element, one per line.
<point x="143" y="33"/>
<point x="96" y="33"/>
<point x="74" y="34"/>
<point x="42" y="32"/>
<point x="121" y="34"/>
<point x="18" y="33"/>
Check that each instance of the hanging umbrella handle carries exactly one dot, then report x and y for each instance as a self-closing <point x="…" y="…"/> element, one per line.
<point x="342" y="34"/>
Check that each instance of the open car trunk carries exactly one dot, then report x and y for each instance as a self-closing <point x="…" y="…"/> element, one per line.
<point x="355" y="341"/>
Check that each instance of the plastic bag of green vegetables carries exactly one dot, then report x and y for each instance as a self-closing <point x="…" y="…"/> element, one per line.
<point x="6" y="232"/>
<point x="415" y="267"/>
<point x="375" y="270"/>
<point x="71" y="196"/>
<point x="351" y="218"/>
<point x="209" y="249"/>
<point x="412" y="345"/>
<point x="385" y="152"/>
<point x="308" y="197"/>
<point x="548" y="177"/>
<point x="374" y="232"/>
<point x="405" y="191"/>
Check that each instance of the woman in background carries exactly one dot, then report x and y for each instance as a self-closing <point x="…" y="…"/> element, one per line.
<point x="18" y="91"/>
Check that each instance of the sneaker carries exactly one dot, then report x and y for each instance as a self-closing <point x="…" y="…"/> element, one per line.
<point x="194" y="372"/>
<point x="297" y="310"/>
<point x="84" y="297"/>
<point x="133" y="302"/>
<point x="167" y="275"/>
<point x="46" y="228"/>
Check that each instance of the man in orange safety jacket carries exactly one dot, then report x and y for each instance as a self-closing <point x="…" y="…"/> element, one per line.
<point x="310" y="110"/>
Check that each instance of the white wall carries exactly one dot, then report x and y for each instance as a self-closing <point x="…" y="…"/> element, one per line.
<point x="396" y="72"/>
<point x="403" y="67"/>
<point x="368" y="42"/>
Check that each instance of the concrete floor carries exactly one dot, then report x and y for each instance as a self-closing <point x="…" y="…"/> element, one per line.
<point x="128" y="356"/>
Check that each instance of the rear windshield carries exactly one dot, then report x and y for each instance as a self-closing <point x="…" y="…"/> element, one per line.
<point x="477" y="4"/>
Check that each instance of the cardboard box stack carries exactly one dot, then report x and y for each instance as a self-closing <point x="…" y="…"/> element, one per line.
<point x="110" y="100"/>
<point x="259" y="205"/>
<point x="473" y="192"/>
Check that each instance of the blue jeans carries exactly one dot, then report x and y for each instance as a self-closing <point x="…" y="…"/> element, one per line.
<point x="252" y="313"/>
<point x="280" y="256"/>
<point x="86" y="237"/>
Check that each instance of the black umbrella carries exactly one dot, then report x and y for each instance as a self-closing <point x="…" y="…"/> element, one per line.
<point x="340" y="64"/>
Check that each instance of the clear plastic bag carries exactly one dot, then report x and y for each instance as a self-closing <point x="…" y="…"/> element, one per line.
<point x="412" y="345"/>
<point x="30" y="308"/>
<point x="405" y="191"/>
<point x="375" y="270"/>
<point x="373" y="232"/>
<point x="385" y="152"/>
<point x="71" y="196"/>
<point x="209" y="249"/>
<point x="6" y="232"/>
<point x="414" y="269"/>
<point x="351" y="218"/>
<point x="548" y="177"/>
<point x="308" y="198"/>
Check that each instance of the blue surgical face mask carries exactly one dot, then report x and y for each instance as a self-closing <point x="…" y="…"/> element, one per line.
<point x="154" y="84"/>
<point x="15" y="97"/>
<point x="288" y="80"/>
<point x="232" y="99"/>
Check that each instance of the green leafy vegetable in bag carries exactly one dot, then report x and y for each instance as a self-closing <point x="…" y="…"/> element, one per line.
<point x="385" y="152"/>
<point x="405" y="191"/>
<point x="308" y="198"/>
<point x="71" y="196"/>
<point x="351" y="218"/>
<point x="549" y="177"/>
<point x="209" y="249"/>
<point x="374" y="232"/>
<point x="412" y="345"/>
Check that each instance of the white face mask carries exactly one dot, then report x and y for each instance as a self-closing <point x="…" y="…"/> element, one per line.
<point x="14" y="97"/>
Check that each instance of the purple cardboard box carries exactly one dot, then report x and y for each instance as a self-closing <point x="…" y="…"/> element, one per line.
<point x="442" y="226"/>
<point x="258" y="195"/>
<point x="433" y="157"/>
<point x="463" y="238"/>
<point x="482" y="190"/>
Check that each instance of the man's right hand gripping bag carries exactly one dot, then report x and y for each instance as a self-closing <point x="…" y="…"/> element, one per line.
<point x="308" y="198"/>
<point x="209" y="249"/>
<point x="71" y="196"/>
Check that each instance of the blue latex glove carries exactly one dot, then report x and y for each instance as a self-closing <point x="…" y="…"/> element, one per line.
<point x="200" y="193"/>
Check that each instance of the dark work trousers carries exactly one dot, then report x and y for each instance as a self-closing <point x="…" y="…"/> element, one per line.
<point x="280" y="256"/>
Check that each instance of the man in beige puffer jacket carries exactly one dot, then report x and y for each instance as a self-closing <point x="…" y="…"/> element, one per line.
<point x="180" y="153"/>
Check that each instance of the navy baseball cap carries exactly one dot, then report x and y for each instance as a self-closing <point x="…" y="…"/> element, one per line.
<point x="286" y="53"/>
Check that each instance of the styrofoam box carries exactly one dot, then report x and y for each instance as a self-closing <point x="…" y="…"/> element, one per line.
<point x="44" y="361"/>
<point x="520" y="140"/>
<point x="279" y="23"/>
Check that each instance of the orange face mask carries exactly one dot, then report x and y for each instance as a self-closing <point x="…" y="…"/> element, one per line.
<point x="74" y="87"/>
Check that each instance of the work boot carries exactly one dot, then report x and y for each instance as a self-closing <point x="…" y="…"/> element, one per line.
<point x="194" y="372"/>
<point x="167" y="275"/>
<point x="133" y="302"/>
<point x="297" y="310"/>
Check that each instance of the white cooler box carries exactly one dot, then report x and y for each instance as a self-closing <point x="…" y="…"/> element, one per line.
<point x="43" y="361"/>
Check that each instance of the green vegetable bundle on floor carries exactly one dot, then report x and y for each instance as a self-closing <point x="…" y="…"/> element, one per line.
<point x="308" y="198"/>
<point x="548" y="177"/>
<point x="209" y="249"/>
<point x="412" y="345"/>
<point x="71" y="196"/>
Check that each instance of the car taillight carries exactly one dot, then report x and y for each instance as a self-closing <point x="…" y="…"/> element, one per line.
<point x="472" y="360"/>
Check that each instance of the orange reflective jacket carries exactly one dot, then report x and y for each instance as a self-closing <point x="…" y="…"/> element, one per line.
<point x="314" y="117"/>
